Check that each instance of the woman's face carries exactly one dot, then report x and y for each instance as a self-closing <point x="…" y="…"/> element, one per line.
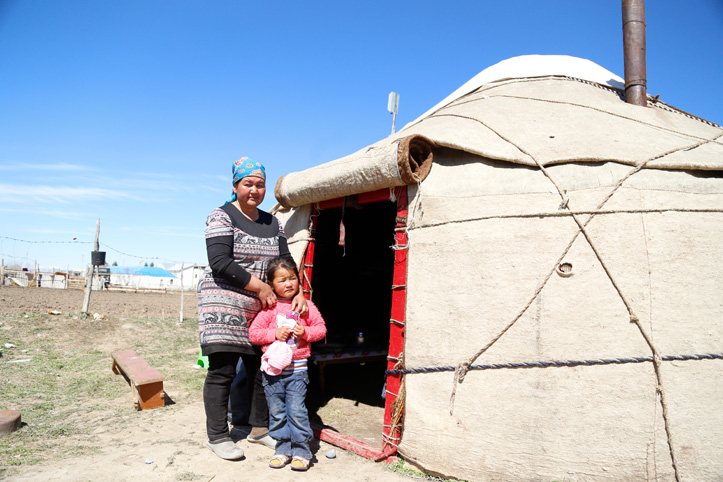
<point x="250" y="191"/>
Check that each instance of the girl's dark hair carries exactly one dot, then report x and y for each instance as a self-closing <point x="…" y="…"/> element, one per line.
<point x="276" y="263"/>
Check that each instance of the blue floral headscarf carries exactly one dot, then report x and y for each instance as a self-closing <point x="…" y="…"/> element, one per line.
<point x="246" y="167"/>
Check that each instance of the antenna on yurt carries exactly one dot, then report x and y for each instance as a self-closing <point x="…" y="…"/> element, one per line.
<point x="392" y="107"/>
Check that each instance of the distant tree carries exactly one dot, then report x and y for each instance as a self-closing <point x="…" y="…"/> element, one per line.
<point x="145" y="264"/>
<point x="115" y="263"/>
<point x="151" y="264"/>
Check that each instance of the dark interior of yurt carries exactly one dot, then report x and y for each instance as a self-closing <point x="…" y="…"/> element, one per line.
<point x="351" y="280"/>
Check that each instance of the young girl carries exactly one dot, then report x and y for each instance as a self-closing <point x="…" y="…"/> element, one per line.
<point x="285" y="387"/>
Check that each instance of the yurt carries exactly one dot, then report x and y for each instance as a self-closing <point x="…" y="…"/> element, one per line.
<point x="540" y="264"/>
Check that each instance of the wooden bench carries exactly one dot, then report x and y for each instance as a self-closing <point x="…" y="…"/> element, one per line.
<point x="146" y="382"/>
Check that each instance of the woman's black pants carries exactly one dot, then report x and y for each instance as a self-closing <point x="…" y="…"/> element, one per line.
<point x="216" y="390"/>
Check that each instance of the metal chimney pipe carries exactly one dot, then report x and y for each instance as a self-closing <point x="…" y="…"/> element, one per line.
<point x="634" y="52"/>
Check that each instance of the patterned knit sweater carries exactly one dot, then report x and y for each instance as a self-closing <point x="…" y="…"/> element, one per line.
<point x="239" y="248"/>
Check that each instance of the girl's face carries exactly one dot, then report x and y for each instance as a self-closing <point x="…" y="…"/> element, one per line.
<point x="250" y="191"/>
<point x="285" y="283"/>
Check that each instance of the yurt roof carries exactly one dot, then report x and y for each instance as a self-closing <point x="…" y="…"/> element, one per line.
<point x="529" y="67"/>
<point x="532" y="110"/>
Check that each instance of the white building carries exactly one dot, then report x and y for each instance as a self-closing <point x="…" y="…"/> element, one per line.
<point x="188" y="275"/>
<point x="144" y="277"/>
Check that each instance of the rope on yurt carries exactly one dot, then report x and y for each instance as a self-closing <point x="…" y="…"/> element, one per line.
<point x="560" y="214"/>
<point x="603" y="111"/>
<point x="661" y="393"/>
<point x="652" y="102"/>
<point x="416" y="210"/>
<point x="397" y="247"/>
<point x="560" y="363"/>
<point x="463" y="367"/>
<point x="310" y="239"/>
<point x="309" y="291"/>
<point x="395" y="426"/>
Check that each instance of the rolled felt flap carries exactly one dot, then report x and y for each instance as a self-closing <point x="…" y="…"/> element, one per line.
<point x="405" y="160"/>
<point x="414" y="158"/>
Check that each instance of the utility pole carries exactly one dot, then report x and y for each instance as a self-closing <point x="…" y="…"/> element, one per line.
<point x="181" y="316"/>
<point x="89" y="279"/>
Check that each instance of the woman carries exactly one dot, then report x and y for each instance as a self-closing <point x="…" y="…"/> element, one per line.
<point x="240" y="241"/>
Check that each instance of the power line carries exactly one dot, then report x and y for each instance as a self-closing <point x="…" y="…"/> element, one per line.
<point x="151" y="258"/>
<point x="139" y="257"/>
<point x="45" y="242"/>
<point x="16" y="257"/>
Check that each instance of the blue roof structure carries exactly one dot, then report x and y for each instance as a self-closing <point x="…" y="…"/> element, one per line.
<point x="142" y="271"/>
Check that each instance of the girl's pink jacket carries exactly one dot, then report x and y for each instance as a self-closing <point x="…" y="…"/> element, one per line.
<point x="263" y="329"/>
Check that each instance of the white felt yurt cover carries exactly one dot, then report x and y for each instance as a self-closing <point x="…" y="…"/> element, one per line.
<point x="574" y="244"/>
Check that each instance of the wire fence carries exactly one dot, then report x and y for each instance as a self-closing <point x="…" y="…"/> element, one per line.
<point x="42" y="278"/>
<point x="21" y="269"/>
<point x="25" y="259"/>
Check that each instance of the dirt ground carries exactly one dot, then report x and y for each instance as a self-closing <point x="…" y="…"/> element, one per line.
<point x="167" y="444"/>
<point x="14" y="300"/>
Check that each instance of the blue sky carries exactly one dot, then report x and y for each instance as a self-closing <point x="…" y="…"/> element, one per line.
<point x="133" y="111"/>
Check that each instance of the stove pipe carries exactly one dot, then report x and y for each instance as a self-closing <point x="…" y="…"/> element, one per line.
<point x="634" y="52"/>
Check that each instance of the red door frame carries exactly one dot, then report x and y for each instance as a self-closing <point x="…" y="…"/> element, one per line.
<point x="392" y="430"/>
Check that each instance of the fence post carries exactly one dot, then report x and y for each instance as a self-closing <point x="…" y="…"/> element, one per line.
<point x="182" y="290"/>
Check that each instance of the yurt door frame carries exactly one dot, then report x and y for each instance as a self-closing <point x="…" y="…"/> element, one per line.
<point x="392" y="410"/>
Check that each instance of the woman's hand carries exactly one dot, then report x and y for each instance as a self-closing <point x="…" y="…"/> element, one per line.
<point x="298" y="304"/>
<point x="266" y="295"/>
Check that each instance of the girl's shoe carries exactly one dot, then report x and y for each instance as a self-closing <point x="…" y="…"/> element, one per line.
<point x="299" y="463"/>
<point x="279" y="461"/>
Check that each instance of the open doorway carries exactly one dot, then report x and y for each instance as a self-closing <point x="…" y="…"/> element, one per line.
<point x="353" y="267"/>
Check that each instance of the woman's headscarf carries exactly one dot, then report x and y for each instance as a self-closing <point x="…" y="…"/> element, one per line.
<point x="246" y="167"/>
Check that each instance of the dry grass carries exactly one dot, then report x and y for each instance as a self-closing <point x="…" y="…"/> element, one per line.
<point x="57" y="374"/>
